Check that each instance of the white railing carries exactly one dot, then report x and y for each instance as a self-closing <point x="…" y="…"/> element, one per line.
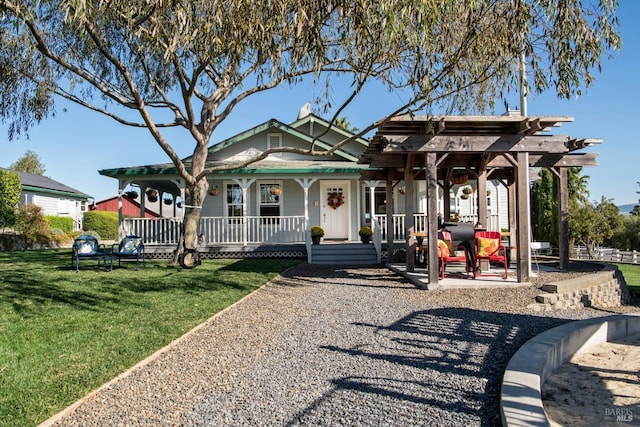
<point x="253" y="229"/>
<point x="154" y="231"/>
<point x="420" y="223"/>
<point x="215" y="230"/>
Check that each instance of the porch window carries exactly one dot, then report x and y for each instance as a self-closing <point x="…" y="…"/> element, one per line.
<point x="269" y="202"/>
<point x="234" y="201"/>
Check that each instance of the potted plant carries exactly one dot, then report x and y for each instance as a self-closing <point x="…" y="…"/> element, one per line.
<point x="167" y="200"/>
<point x="152" y="195"/>
<point x="317" y="232"/>
<point x="365" y="234"/>
<point x="132" y="194"/>
<point x="275" y="191"/>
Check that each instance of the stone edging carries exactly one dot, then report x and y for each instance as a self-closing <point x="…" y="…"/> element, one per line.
<point x="535" y="361"/>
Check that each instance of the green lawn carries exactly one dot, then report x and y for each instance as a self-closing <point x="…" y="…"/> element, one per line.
<point x="631" y="276"/>
<point x="63" y="334"/>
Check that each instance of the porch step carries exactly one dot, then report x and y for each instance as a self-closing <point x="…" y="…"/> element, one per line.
<point x="344" y="254"/>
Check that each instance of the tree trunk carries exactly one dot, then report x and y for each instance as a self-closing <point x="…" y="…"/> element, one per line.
<point x="192" y="206"/>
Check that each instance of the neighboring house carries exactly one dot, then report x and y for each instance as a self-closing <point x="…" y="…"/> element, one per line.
<point x="130" y="207"/>
<point x="55" y="198"/>
<point x="276" y="200"/>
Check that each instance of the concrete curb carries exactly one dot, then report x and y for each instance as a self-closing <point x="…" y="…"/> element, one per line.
<point x="535" y="361"/>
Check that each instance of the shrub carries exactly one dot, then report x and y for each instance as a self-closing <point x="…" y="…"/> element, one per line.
<point x="32" y="225"/>
<point x="103" y="223"/>
<point x="10" y="189"/>
<point x="63" y="223"/>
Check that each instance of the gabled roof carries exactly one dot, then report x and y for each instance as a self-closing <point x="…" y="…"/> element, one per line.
<point x="42" y="184"/>
<point x="264" y="166"/>
<point x="293" y="131"/>
<point x="313" y="118"/>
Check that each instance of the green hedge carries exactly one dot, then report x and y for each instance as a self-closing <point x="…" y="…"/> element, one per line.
<point x="64" y="223"/>
<point x="105" y="224"/>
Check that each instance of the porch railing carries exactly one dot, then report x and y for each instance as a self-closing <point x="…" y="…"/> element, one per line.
<point x="219" y="230"/>
<point x="257" y="229"/>
<point x="252" y="229"/>
<point x="420" y="223"/>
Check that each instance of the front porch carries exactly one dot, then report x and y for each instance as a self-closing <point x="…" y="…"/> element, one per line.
<point x="260" y="230"/>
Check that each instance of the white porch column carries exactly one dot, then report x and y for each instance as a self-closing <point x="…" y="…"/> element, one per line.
<point x="372" y="184"/>
<point x="244" y="184"/>
<point x="306" y="183"/>
<point x="143" y="200"/>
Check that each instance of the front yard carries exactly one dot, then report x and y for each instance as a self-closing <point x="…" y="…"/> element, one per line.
<point x="63" y="334"/>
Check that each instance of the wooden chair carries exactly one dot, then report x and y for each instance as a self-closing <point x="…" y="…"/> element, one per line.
<point x="488" y="247"/>
<point x="447" y="254"/>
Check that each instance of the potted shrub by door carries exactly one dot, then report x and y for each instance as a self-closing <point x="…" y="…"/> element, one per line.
<point x="365" y="234"/>
<point x="317" y="233"/>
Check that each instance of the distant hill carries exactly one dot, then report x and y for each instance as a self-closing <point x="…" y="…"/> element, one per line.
<point x="626" y="209"/>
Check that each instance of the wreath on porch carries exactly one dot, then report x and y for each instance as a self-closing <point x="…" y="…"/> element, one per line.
<point x="335" y="200"/>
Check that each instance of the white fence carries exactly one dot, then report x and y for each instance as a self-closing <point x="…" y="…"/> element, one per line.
<point x="607" y="254"/>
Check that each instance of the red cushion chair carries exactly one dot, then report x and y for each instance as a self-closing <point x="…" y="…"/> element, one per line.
<point x="488" y="247"/>
<point x="447" y="255"/>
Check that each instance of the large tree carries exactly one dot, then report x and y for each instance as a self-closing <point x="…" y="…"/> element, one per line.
<point x="189" y="63"/>
<point x="29" y="162"/>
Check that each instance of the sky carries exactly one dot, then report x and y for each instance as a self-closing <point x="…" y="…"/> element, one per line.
<point x="76" y="143"/>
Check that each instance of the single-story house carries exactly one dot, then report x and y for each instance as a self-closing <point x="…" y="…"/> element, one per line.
<point x="274" y="202"/>
<point x="55" y="198"/>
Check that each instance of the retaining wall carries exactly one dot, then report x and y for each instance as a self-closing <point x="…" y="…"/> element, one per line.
<point x="604" y="289"/>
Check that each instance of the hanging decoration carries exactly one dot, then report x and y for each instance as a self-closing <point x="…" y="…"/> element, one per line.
<point x="335" y="200"/>
<point x="467" y="190"/>
<point x="275" y="191"/>
<point x="213" y="191"/>
<point x="459" y="176"/>
<point x="152" y="195"/>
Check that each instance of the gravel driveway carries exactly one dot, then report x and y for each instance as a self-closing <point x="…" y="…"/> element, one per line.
<point x="327" y="345"/>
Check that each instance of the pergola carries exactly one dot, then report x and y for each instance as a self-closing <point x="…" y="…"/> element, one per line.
<point x="504" y="148"/>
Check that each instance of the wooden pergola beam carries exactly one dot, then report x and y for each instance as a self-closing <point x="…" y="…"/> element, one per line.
<point x="476" y="143"/>
<point x="551" y="160"/>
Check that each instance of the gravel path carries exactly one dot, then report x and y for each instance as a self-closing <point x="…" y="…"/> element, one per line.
<point x="323" y="345"/>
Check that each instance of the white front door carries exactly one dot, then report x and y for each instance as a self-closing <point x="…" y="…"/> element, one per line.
<point x="334" y="209"/>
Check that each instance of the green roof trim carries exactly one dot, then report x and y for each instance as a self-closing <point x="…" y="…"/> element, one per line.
<point x="82" y="196"/>
<point x="115" y="173"/>
<point x="290" y="171"/>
